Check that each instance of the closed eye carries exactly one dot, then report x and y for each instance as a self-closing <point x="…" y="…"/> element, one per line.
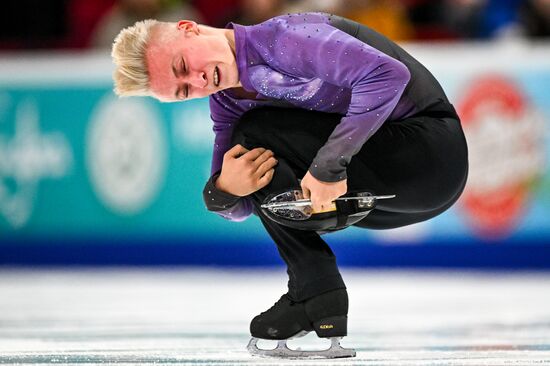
<point x="183" y="70"/>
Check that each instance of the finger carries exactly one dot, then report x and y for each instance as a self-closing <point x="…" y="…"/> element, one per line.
<point x="254" y="153"/>
<point x="324" y="205"/>
<point x="315" y="204"/>
<point x="266" y="178"/>
<point x="263" y="158"/>
<point x="266" y="166"/>
<point x="306" y="192"/>
<point x="236" y="151"/>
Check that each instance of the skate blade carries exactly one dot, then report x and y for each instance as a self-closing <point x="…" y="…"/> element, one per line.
<point x="282" y="350"/>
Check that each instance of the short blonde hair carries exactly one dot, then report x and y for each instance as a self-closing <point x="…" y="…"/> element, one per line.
<point x="131" y="76"/>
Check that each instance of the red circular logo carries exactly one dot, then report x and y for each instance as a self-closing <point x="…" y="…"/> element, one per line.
<point x="506" y="154"/>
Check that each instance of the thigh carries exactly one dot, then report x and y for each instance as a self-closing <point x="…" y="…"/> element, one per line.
<point x="291" y="133"/>
<point x="380" y="219"/>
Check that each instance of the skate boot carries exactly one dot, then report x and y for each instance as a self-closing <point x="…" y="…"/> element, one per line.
<point x="326" y="314"/>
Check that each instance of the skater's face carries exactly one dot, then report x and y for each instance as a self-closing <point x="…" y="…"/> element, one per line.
<point x="182" y="59"/>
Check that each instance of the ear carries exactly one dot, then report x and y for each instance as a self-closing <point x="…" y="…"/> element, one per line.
<point x="188" y="25"/>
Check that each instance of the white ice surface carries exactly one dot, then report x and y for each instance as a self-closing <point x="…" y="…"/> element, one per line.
<point x="199" y="316"/>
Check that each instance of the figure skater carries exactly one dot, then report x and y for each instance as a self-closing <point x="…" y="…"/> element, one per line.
<point x="313" y="101"/>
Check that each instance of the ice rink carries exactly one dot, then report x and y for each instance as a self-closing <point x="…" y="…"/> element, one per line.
<point x="175" y="316"/>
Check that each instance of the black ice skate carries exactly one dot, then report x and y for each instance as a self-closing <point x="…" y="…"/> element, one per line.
<point x="289" y="208"/>
<point x="326" y="314"/>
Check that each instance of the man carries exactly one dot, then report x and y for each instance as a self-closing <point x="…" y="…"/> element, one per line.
<point x="314" y="102"/>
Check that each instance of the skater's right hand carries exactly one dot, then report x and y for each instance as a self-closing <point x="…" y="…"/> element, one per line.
<point x="246" y="171"/>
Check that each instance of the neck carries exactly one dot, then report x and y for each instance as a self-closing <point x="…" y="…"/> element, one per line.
<point x="230" y="35"/>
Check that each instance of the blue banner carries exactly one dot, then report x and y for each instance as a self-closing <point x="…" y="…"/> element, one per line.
<point x="97" y="176"/>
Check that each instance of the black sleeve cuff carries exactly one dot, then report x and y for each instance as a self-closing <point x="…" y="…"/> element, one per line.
<point x="215" y="199"/>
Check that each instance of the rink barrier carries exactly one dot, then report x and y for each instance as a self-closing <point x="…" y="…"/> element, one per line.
<point x="172" y="252"/>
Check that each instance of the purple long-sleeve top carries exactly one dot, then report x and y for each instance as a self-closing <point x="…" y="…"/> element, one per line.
<point x="303" y="61"/>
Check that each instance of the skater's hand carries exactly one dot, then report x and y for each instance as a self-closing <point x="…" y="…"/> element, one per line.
<point x="246" y="171"/>
<point x="321" y="193"/>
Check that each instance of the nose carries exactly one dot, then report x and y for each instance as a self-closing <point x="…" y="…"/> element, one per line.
<point x="198" y="79"/>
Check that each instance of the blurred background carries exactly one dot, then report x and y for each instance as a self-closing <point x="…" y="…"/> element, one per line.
<point x="87" y="178"/>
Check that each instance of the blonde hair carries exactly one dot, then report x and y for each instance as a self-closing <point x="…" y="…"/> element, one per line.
<point x="131" y="76"/>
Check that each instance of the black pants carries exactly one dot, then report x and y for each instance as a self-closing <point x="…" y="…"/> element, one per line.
<point x="422" y="159"/>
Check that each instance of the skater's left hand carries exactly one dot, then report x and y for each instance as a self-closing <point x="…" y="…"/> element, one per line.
<point x="322" y="193"/>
